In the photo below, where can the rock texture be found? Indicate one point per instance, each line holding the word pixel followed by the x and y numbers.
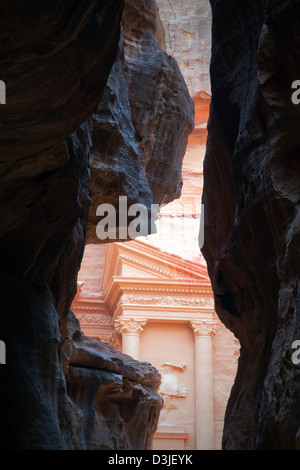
pixel 55 58
pixel 74 393
pixel 56 63
pixel 114 404
pixel 143 122
pixel 45 135
pixel 251 197
pixel 187 28
pixel 162 109
pixel 188 39
pixel 44 199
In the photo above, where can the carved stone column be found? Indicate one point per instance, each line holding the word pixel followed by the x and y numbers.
pixel 204 332
pixel 130 329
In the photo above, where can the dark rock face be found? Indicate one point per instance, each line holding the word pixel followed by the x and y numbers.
pixel 113 400
pixel 55 58
pixel 55 67
pixel 142 124
pixel 115 161
pixel 162 109
pixel 33 400
pixel 251 198
pixel 60 157
pixel 44 193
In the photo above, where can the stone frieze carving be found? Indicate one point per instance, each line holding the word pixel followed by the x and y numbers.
pixel 168 300
pixel 171 388
pixel 94 318
pixel 171 391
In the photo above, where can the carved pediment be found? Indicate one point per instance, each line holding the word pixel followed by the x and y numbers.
pixel 136 259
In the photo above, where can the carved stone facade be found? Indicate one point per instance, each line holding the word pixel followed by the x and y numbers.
pixel 158 308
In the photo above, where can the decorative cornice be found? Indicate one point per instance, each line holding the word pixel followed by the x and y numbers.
pixel 89 306
pixel 118 268
pixel 205 328
pixel 129 325
pixel 155 287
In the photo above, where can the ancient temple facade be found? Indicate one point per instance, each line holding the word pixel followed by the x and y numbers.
pixel 158 308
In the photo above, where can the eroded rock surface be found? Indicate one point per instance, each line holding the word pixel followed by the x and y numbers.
pixel 56 63
pixel 188 39
pixel 143 122
pixel 162 108
pixel 251 197
pixel 114 403
pixel 55 70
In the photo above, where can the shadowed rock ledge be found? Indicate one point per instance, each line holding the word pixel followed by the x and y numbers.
pixel 59 389
pixel 114 404
pixel 251 198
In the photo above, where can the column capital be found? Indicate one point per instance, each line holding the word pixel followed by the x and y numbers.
pixel 205 328
pixel 125 325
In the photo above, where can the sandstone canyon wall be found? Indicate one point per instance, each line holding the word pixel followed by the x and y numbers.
pixel 188 39
pixel 86 120
pixel 187 28
pixel 251 197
